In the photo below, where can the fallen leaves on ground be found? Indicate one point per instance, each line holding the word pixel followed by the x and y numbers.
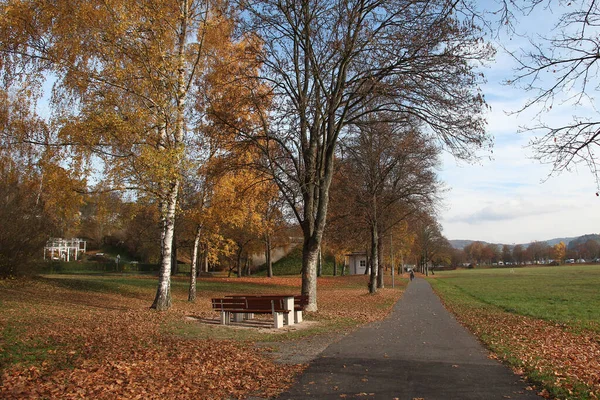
pixel 567 361
pixel 107 345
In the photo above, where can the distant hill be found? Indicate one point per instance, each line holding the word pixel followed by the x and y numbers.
pixel 581 240
pixel 566 241
pixel 461 244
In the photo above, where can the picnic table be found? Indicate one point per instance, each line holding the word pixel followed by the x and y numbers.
pixel 286 309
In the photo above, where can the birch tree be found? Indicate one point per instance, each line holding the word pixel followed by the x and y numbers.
pixel 124 73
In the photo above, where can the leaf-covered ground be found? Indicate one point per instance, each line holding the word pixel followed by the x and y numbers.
pixel 95 337
pixel 563 360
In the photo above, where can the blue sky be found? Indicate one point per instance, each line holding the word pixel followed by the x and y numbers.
pixel 507 197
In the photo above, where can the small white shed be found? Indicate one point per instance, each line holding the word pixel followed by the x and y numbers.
pixel 356 262
pixel 64 249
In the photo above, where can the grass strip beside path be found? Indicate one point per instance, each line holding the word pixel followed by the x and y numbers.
pixel 563 358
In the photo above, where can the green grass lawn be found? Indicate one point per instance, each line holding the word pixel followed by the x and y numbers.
pixel 291 264
pixel 138 286
pixel 563 294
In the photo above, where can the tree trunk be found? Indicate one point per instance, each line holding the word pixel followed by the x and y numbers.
pixel 174 266
pixel 206 258
pixel 380 283
pixel 374 260
pixel 239 263
pixel 162 300
pixel 268 259
pixel 334 265
pixel 310 255
pixel 401 266
pixel 320 263
pixel 194 267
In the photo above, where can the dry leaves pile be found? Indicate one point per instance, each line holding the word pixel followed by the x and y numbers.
pixel 106 346
pixel 565 361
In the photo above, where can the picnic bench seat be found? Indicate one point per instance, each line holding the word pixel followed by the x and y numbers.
pixel 241 307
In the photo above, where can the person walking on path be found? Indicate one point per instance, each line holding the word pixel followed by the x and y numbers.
pixel 412 275
pixel 418 352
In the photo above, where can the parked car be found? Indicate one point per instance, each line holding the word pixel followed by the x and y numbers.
pixel 570 261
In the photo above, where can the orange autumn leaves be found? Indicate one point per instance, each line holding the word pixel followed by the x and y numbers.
pixel 546 351
pixel 107 344
pixel 111 346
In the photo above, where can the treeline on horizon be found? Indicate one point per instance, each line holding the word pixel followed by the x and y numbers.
pixel 584 248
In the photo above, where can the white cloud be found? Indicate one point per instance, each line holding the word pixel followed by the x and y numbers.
pixel 506 210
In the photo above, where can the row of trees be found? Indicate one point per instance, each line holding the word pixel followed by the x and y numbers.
pixel 146 94
pixel 535 252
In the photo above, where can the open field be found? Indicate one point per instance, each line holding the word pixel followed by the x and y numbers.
pixel 81 336
pixel 544 321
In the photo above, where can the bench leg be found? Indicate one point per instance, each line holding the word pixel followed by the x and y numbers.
pixel 224 317
pixel 277 320
pixel 288 318
pixel 298 316
pixel 238 317
pixel 289 305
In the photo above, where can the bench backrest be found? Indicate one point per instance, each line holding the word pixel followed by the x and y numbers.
pixel 229 304
pixel 266 303
pixel 300 301
pixel 257 303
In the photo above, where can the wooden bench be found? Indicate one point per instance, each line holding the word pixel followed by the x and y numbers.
pixel 300 302
pixel 241 307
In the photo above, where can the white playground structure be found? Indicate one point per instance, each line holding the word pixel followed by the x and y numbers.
pixel 64 249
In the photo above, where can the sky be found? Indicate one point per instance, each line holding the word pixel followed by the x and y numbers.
pixel 508 197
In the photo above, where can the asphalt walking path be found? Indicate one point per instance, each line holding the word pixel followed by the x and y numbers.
pixel 418 352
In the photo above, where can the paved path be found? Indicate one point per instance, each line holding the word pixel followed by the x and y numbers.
pixel 418 352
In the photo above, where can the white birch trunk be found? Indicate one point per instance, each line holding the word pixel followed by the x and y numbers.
pixel 162 301
pixel 194 267
pixel 206 259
